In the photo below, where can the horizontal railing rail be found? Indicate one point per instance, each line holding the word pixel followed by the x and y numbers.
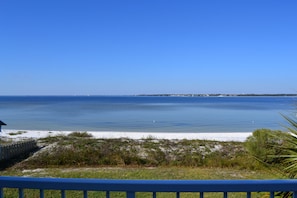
pixel 131 187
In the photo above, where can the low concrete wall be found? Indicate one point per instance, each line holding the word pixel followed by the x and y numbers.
pixel 15 149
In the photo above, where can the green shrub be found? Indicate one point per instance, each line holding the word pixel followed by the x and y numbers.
pixel 73 150
pixel 265 144
pixel 289 156
pixel 80 134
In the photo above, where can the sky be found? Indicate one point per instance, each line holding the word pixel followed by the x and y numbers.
pixel 124 47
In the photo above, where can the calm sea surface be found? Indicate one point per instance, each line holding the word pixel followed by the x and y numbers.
pixel 145 114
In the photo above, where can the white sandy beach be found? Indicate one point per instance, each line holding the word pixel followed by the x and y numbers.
pixel 34 134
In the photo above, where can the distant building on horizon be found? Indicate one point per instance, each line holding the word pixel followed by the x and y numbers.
pixel 1 123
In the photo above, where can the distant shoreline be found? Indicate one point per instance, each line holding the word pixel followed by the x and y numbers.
pixel 220 95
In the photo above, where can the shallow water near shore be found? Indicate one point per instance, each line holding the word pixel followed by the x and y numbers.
pixel 145 114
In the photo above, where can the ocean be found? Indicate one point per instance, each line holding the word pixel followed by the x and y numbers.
pixel 145 113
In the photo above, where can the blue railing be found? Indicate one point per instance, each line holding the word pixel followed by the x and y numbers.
pixel 131 187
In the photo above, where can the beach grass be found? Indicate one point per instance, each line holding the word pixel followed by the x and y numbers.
pixel 80 155
pixel 191 173
pixel 83 150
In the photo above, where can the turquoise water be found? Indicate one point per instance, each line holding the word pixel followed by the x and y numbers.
pixel 145 113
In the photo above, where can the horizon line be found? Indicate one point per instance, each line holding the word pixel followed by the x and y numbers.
pixel 158 94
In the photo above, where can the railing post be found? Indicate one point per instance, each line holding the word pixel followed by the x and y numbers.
pixel 41 193
pixel 63 195
pixel 201 194
pixel 177 195
pixel 271 194
pixel 295 194
pixel 107 194
pixel 85 194
pixel 21 193
pixel 130 194
pixel 225 195
pixel 1 193
pixel 154 195
pixel 248 195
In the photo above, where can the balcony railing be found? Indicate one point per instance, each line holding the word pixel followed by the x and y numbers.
pixel 152 188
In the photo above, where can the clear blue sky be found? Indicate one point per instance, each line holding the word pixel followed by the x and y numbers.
pixel 114 47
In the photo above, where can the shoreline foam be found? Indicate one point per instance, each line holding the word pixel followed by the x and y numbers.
pixel 218 136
